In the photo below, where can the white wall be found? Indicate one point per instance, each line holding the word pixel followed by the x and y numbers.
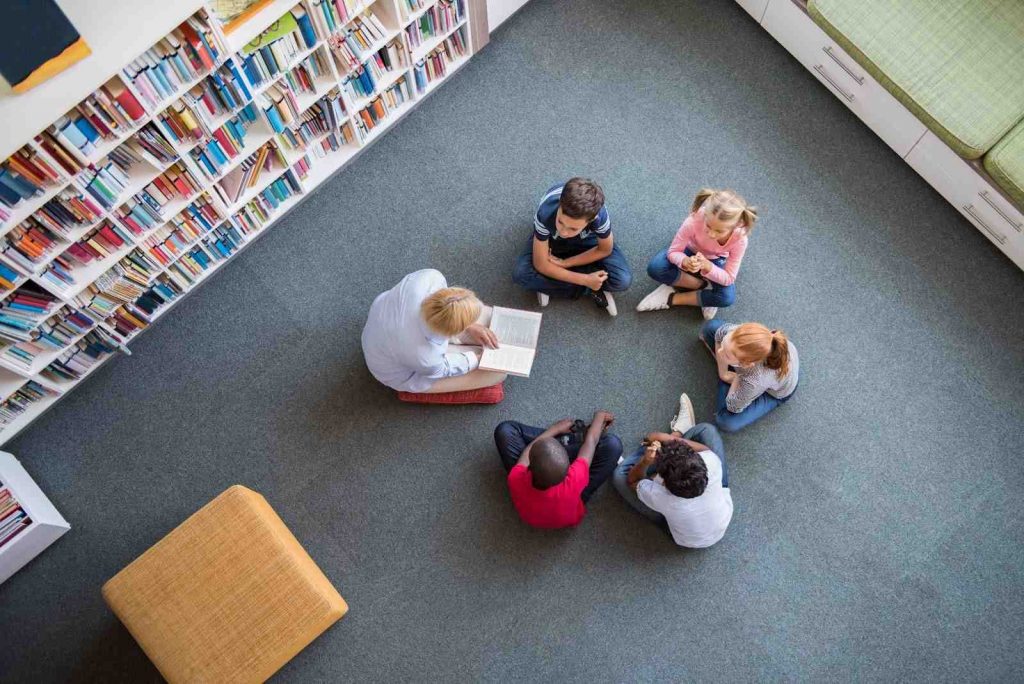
pixel 500 10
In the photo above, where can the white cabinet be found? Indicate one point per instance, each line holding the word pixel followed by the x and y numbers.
pixel 969 191
pixel 789 24
pixel 755 8
pixel 500 10
pixel 47 524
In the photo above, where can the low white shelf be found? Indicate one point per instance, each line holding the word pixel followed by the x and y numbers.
pixel 47 524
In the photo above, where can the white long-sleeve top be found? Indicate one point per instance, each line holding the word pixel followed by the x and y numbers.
pixel 401 351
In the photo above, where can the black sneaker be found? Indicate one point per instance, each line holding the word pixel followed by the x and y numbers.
pixel 604 300
pixel 576 434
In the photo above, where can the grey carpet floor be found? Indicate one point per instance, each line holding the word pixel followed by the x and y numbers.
pixel 878 528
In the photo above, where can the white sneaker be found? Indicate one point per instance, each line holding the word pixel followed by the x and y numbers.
pixel 611 308
pixel 709 312
pixel 543 299
pixel 684 418
pixel 657 300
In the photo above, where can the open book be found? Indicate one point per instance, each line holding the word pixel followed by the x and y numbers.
pixel 517 333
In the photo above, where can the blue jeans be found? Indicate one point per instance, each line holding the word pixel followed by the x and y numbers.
pixel 619 275
pixel 726 420
pixel 512 438
pixel 704 433
pixel 664 271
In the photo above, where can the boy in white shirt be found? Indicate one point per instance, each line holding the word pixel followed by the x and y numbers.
pixel 679 480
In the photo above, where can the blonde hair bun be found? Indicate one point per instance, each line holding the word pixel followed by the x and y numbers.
pixel 451 310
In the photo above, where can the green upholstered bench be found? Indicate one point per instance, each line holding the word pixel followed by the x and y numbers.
pixel 958 65
pixel 1005 163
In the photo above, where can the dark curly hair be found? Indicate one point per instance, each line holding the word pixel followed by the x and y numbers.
pixel 682 469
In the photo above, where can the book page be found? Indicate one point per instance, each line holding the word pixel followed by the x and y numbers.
pixel 514 360
pixel 515 327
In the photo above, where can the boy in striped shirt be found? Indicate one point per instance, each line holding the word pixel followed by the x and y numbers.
pixel 572 252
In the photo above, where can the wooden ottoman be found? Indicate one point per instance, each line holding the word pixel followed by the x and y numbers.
pixel 228 596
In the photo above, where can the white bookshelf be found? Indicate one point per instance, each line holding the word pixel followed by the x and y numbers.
pixel 47 524
pixel 140 24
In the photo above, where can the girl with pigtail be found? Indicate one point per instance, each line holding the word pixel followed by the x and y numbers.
pixel 699 268
pixel 758 370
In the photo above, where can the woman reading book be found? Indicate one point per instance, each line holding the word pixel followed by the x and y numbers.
pixel 423 336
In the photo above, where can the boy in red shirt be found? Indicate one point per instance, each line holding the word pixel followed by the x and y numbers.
pixel 552 473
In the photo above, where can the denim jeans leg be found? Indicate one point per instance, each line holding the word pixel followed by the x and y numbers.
pixel 511 438
pixel 728 421
pixel 718 295
pixel 661 270
pixel 525 275
pixel 620 277
pixel 606 456
pixel 621 481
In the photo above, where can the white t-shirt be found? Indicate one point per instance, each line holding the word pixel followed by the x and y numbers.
pixel 695 523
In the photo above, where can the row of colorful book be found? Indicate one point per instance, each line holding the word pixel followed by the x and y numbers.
pixel 436 21
pixel 435 65
pixel 106 115
pixel 14 519
pixel 383 105
pixel 186 53
pixel 26 175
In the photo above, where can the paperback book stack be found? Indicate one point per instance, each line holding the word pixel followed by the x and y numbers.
pixel 304 77
pixel 13 518
pixel 225 143
pixel 81 357
pixel 29 246
pixel 351 46
pixel 68 160
pixel 437 21
pixel 106 241
pixel 330 15
pixel 23 313
pixel 274 50
pixel 180 58
pixel 68 211
pixel 247 174
pixel 383 105
pixel 280 105
pixel 26 175
pixel 411 7
pixel 195 114
pixel 19 402
pixel 153 143
pixel 109 178
pixel 435 65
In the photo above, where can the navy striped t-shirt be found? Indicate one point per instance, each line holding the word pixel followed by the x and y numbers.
pixel 544 224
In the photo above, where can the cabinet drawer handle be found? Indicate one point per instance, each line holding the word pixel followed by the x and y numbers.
pixel 835 58
pixel 999 237
pixel 824 74
pixel 988 200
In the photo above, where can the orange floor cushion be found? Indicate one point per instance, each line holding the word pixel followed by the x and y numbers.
pixel 485 395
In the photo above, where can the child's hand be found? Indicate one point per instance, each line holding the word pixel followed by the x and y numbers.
pixel 596 279
pixel 561 427
pixel 702 262
pixel 605 417
pixel 690 264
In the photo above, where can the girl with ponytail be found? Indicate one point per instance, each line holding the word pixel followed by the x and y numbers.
pixel 758 369
pixel 700 266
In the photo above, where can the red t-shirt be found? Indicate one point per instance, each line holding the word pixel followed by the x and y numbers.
pixel 558 506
